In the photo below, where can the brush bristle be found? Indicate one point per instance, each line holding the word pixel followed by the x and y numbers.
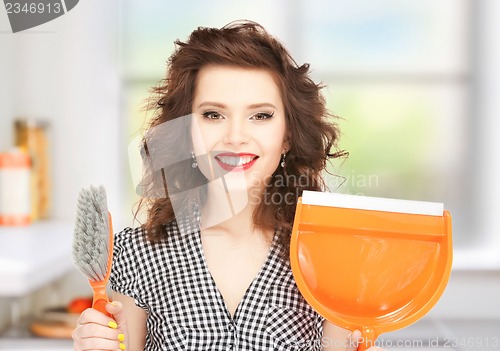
pixel 91 234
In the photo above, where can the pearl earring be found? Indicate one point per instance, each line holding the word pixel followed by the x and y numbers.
pixel 194 164
pixel 283 160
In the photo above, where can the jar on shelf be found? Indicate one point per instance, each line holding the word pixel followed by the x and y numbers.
pixel 31 136
pixel 15 197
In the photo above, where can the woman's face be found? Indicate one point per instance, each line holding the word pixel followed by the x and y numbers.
pixel 238 128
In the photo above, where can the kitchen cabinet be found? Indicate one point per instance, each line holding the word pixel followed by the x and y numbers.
pixel 33 256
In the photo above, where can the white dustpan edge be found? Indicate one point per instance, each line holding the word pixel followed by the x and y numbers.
pixel 319 198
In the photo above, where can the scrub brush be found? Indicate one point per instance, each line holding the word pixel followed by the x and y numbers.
pixel 93 242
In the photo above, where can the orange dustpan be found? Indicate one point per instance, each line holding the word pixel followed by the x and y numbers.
pixel 372 264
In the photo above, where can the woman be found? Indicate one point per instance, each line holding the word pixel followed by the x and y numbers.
pixel 240 131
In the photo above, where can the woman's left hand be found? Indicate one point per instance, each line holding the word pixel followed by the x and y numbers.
pixel 339 339
pixel 356 339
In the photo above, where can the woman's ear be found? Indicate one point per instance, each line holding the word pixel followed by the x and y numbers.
pixel 286 145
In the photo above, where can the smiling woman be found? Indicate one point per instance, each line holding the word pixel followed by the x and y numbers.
pixel 237 122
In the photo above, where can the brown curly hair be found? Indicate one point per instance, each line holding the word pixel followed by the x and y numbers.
pixel 310 127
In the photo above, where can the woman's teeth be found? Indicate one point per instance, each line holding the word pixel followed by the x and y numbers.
pixel 236 160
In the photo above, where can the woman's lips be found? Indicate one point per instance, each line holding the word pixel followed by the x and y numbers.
pixel 236 161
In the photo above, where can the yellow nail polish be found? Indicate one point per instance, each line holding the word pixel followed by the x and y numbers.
pixel 112 324
pixel 122 346
pixel 121 337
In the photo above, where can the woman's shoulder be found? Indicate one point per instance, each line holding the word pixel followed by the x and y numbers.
pixel 130 232
pixel 138 236
pixel 130 235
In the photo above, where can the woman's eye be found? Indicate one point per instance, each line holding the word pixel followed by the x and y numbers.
pixel 212 115
pixel 262 116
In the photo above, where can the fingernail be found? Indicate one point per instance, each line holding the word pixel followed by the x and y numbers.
pixel 121 337
pixel 112 324
pixel 114 303
pixel 122 346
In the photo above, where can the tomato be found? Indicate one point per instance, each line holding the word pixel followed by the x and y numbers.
pixel 79 304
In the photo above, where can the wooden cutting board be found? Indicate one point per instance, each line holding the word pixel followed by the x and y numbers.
pixel 52 329
pixel 55 323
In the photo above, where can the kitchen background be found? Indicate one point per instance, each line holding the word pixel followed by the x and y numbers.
pixel 415 83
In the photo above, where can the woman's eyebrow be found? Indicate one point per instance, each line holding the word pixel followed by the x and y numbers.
pixel 263 104
pixel 211 104
pixel 252 106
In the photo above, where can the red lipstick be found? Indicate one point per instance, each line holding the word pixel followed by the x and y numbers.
pixel 239 162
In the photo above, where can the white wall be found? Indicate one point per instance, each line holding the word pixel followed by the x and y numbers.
pixel 6 78
pixel 488 121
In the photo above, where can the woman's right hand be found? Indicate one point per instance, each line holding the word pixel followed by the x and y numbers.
pixel 96 331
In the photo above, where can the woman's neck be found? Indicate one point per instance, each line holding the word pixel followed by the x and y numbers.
pixel 228 212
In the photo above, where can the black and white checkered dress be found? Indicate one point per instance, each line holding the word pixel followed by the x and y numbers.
pixel 186 311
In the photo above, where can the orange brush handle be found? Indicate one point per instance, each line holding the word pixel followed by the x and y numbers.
pixel 99 287
pixel 100 296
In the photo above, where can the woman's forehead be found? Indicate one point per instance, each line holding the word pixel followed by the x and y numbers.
pixel 221 84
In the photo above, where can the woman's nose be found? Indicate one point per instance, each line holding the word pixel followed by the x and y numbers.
pixel 236 133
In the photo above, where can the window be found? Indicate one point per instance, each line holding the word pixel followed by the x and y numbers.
pixel 398 73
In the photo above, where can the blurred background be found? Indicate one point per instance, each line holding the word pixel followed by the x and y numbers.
pixel 414 84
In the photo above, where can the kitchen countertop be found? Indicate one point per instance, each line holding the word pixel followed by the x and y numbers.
pixel 445 334
pixel 36 344
pixel 33 256
pixel 425 335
